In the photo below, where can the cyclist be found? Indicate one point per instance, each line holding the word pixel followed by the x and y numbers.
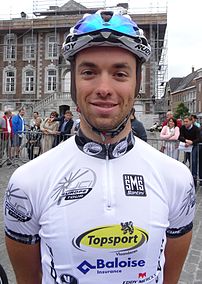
pixel 104 206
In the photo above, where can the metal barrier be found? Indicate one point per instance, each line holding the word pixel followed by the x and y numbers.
pixel 170 148
pixel 32 144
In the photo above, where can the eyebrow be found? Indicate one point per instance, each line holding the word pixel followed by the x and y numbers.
pixel 118 65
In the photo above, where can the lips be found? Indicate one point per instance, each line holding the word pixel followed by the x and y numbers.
pixel 104 105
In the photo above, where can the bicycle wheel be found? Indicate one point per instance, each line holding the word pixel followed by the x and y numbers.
pixel 3 276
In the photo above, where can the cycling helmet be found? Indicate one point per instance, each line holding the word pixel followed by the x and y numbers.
pixel 106 28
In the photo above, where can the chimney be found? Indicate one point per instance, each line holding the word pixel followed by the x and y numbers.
pixel 192 69
pixel 23 15
pixel 123 5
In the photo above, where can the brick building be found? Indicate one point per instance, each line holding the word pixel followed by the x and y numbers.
pixel 33 72
pixel 186 89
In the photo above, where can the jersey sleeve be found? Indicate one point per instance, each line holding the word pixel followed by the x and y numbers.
pixel 182 204
pixel 21 222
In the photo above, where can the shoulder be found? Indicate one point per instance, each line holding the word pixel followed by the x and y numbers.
pixel 36 176
pixel 159 164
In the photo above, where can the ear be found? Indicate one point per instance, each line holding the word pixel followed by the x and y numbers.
pixel 78 109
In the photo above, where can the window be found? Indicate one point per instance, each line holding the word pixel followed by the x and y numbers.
pixel 52 46
pixel 51 80
pixel 9 80
pixel 29 81
pixel 29 47
pixel 10 47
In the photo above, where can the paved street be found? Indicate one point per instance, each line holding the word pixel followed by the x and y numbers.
pixel 192 272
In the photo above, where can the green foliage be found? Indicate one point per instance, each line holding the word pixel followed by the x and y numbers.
pixel 181 111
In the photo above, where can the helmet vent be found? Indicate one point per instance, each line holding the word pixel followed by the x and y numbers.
pixel 106 15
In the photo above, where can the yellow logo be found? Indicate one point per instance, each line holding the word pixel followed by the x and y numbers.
pixel 120 237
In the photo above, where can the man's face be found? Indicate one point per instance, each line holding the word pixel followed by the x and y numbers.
pixel 105 85
pixel 22 112
pixel 68 116
pixel 187 122
pixel 35 115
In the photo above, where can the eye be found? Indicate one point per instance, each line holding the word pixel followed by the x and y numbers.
pixel 87 73
pixel 121 75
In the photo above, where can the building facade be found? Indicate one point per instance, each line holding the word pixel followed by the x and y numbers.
pixel 187 90
pixel 33 72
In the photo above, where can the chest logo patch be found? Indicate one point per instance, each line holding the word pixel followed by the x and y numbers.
pixel 134 185
pixel 75 186
pixel 114 238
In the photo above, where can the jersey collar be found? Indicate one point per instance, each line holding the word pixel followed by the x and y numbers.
pixel 104 151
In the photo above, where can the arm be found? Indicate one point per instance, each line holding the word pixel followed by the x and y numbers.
pixel 175 253
pixel 182 134
pixel 163 133
pixel 176 134
pixel 68 128
pixel 14 124
pixel 25 260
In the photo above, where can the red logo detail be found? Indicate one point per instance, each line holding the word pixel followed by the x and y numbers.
pixel 142 275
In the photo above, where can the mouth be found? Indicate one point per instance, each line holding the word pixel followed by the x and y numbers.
pixel 104 105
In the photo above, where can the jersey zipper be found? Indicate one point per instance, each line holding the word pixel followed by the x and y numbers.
pixel 109 201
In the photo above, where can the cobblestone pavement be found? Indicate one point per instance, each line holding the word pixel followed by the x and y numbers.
pixel 191 274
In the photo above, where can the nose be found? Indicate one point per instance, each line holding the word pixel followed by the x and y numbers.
pixel 103 85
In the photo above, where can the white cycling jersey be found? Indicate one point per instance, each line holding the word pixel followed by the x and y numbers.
pixel 101 213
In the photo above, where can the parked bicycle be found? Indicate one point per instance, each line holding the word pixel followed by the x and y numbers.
pixel 3 276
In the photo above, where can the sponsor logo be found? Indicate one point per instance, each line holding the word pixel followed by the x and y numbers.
pixel 92 148
pixel 105 266
pixel 17 205
pixel 115 238
pixel 69 279
pixel 74 187
pixel 134 185
pixel 142 278
pixel 69 46
pixel 142 275
pixel 120 149
pixel 143 49
pixel 188 202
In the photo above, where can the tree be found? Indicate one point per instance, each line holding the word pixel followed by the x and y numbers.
pixel 181 111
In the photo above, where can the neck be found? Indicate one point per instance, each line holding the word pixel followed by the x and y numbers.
pixel 88 132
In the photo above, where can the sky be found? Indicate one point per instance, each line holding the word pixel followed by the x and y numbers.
pixel 184 40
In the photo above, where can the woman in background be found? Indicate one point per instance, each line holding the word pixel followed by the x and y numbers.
pixel 170 134
pixel 49 128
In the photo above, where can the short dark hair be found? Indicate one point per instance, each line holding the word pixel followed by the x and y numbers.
pixel 69 112
pixel 194 116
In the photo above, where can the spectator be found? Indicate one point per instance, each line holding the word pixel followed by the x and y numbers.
pixel 49 128
pixel 33 120
pixel 169 115
pixel 190 135
pixel 7 136
pixel 65 125
pixel 194 120
pixel 170 134
pixel 2 126
pixel 18 126
pixel 34 139
pixel 138 127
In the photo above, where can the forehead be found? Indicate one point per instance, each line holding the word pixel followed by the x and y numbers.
pixel 103 54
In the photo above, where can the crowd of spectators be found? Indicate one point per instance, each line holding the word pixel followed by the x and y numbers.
pixel 38 135
pixel 42 134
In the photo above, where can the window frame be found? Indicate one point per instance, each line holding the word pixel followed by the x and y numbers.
pixel 12 46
